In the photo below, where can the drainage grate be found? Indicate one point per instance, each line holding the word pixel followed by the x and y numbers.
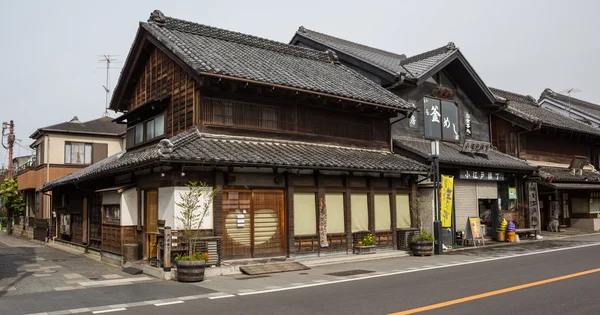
pixel 348 273
pixel 94 278
pixel 303 273
pixel 251 277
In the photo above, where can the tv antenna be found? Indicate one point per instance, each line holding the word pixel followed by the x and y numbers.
pixel 569 92
pixel 108 59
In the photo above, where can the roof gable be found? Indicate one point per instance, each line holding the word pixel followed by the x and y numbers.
pixel 572 103
pixel 210 51
pixel 101 126
pixel 526 107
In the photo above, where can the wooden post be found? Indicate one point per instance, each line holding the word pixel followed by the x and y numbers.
pixel 167 252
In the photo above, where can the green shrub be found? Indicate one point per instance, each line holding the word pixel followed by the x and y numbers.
pixel 423 236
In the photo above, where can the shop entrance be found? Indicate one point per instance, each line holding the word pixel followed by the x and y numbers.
pixel 253 223
pixel 488 215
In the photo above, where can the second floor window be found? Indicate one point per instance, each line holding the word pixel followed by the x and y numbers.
pixel 146 131
pixel 78 153
pixel 441 120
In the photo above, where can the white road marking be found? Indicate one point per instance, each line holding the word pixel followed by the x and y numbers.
pixel 230 295
pixel 113 281
pixel 168 303
pixel 469 262
pixel 109 311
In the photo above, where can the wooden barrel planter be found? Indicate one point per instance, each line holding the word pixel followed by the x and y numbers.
pixel 190 271
pixel 422 248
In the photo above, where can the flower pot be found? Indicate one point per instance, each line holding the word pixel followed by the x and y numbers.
pixel 500 236
pixel 363 250
pixel 510 236
pixel 190 270
pixel 422 248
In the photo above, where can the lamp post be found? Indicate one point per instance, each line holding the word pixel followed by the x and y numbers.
pixel 437 223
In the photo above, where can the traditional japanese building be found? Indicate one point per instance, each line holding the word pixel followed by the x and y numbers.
pixel 570 106
pixel 566 151
pixel 299 143
pixel 454 106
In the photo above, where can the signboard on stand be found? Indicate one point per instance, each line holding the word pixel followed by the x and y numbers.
pixel 447 194
pixel 534 206
pixel 512 193
pixel 474 231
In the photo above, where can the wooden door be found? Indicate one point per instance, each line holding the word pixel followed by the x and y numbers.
pixel 151 222
pixel 253 223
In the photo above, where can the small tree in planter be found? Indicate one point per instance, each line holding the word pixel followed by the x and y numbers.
pixel 422 244
pixel 195 206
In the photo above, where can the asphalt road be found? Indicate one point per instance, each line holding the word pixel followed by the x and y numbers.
pixel 410 291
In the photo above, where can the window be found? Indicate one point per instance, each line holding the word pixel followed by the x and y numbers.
pixel 359 212
pixel 155 127
pixel 383 219
pixel 139 133
pixel 78 153
pixel 112 214
pixel 441 119
pixel 334 202
pixel 268 118
pixel 39 154
pixel 305 214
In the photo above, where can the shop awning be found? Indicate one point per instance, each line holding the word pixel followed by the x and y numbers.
pixel 566 186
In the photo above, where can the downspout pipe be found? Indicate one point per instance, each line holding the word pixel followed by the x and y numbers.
pixel 406 115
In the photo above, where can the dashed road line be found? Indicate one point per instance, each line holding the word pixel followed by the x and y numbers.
pixel 110 310
pixel 228 295
pixel 168 303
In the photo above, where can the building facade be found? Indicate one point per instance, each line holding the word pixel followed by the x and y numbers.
pixel 299 144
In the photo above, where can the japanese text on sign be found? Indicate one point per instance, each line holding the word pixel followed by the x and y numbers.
pixel 481 175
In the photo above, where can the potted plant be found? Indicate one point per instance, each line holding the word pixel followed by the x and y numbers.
pixel 366 245
pixel 195 206
pixel 422 244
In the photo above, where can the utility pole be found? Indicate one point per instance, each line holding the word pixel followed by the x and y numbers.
pixel 10 143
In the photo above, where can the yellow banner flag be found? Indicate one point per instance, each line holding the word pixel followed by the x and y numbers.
pixel 446 195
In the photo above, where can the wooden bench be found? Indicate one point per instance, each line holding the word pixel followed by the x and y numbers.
pixel 527 232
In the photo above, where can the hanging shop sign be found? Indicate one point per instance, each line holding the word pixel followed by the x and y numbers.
pixel 481 175
pixel 446 197
pixel 472 146
pixel 512 193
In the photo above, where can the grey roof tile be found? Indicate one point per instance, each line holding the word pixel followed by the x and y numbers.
pixel 581 105
pixel 527 108
pixel 565 174
pixel 450 154
pixel 100 126
pixel 193 146
pixel 386 60
pixel 212 50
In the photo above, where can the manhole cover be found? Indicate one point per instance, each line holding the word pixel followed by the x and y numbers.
pixel 348 273
pixel 303 273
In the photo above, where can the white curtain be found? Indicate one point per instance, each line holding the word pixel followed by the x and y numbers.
pixel 335 212
pixel 305 214
pixel 359 212
pixel 383 217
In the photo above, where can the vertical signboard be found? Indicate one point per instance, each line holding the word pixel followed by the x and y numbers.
pixel 534 206
pixel 447 194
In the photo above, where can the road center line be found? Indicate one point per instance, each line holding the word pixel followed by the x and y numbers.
pixel 221 296
pixel 419 270
pixel 496 292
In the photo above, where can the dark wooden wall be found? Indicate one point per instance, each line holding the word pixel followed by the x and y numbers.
pixel 480 126
pixel 549 147
pixel 162 77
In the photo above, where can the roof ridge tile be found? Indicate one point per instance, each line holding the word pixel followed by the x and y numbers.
pixel 434 52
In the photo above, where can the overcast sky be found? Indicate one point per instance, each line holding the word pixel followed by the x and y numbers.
pixel 50 49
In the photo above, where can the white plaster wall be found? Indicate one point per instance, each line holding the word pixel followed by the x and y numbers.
pixel 168 197
pixel 129 212
pixel 166 205
pixel 586 224
pixel 55 150
pixel 111 198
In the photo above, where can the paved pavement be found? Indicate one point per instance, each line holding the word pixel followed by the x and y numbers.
pixel 103 287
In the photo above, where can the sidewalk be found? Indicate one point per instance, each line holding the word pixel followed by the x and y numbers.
pixel 27 267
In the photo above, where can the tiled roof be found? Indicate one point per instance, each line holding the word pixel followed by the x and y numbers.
pixel 450 154
pixel 193 146
pixel 386 60
pixel 581 105
pixel 526 107
pixel 420 64
pixel 565 174
pixel 210 50
pixel 100 126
